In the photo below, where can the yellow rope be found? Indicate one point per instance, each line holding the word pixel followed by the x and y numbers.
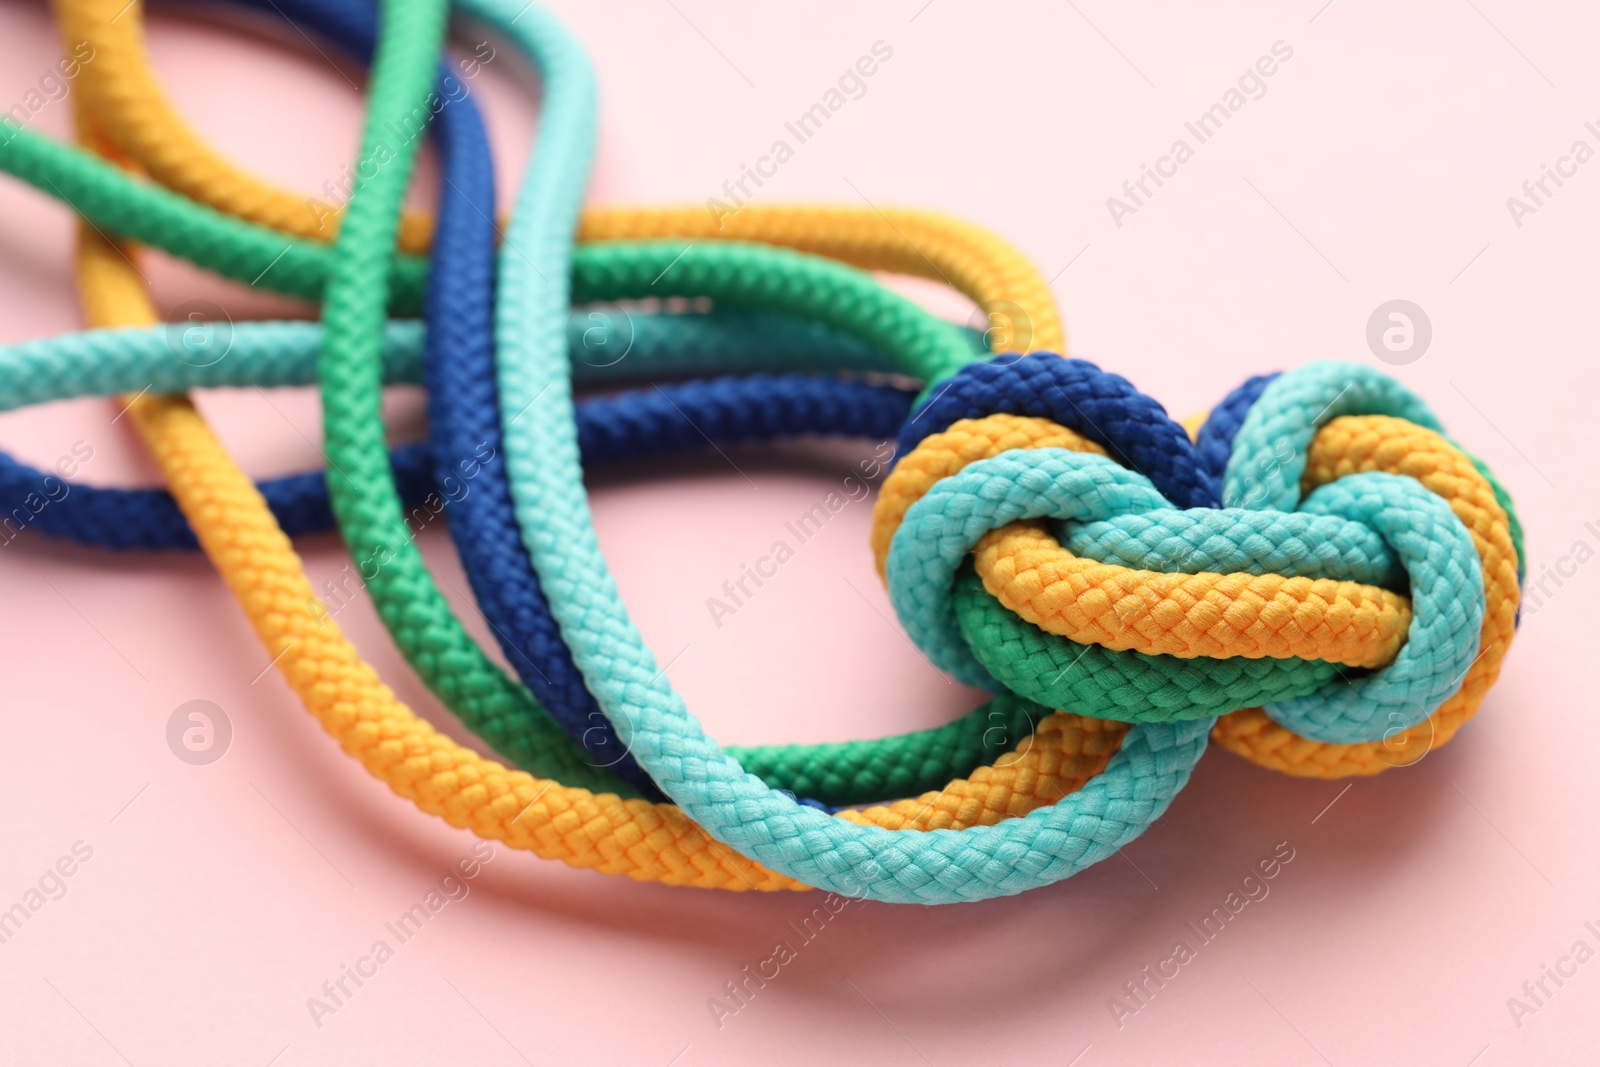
pixel 1354 445
pixel 943 454
pixel 645 841
pixel 1188 615
pixel 139 119
pixel 1169 612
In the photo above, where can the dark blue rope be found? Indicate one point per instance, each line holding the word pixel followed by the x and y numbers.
pixel 149 519
pixel 628 426
pixel 464 423
pixel 459 471
pixel 1134 428
pixel 1214 442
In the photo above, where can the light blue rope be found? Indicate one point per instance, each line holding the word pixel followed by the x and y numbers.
pixel 1416 527
pixel 1273 444
pixel 278 354
pixel 940 530
pixel 930 867
pixel 1447 603
pixel 1270 450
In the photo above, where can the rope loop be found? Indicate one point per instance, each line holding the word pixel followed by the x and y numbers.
pixel 1052 533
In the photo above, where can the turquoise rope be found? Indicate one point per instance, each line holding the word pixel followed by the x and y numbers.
pixel 1296 404
pixel 940 530
pixel 1447 605
pixel 277 354
pixel 937 866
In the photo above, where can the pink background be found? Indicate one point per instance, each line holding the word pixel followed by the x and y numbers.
pixel 1377 166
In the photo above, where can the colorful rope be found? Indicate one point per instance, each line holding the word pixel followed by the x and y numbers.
pixel 510 599
pixel 1318 549
pixel 536 650
pixel 928 808
pixel 141 121
pixel 613 428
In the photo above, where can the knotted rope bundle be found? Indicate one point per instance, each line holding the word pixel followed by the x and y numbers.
pixel 1384 599
pixel 1362 585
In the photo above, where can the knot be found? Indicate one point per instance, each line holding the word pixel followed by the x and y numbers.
pixel 1343 612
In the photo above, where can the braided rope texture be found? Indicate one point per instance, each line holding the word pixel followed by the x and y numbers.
pixel 611 428
pixel 1362 585
pixel 1010 856
pixel 138 117
pixel 492 570
pixel 483 697
pixel 1205 614
pixel 1374 496
pixel 287 651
